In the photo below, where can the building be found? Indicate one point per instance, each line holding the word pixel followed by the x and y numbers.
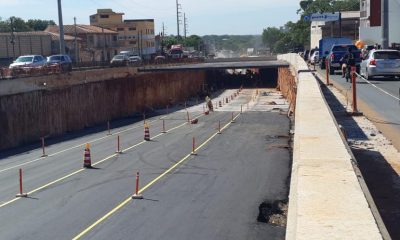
pixel 13 45
pixel 97 44
pixel 370 21
pixel 350 28
pixel 135 35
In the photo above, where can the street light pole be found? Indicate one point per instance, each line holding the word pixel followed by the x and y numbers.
pixel 61 26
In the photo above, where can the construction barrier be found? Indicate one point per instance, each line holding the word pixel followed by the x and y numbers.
pixel 146 132
pixel 87 161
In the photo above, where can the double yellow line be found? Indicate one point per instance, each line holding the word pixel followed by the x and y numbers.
pixel 127 200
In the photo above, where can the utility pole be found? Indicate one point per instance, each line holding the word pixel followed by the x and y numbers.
pixel 178 16
pixel 61 25
pixel 385 23
pixel 76 43
pixel 162 39
pixel 340 24
pixel 12 36
pixel 184 24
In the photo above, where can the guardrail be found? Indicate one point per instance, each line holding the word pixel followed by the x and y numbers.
pixel 6 73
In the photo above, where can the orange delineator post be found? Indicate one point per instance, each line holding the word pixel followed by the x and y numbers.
pixel 353 78
pixel 21 193
pixel 232 120
pixel 163 126
pixel 327 72
pixel 136 195
pixel 43 148
pixel 219 127
pixel 118 145
pixel 193 146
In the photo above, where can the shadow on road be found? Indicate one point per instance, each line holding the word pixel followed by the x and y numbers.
pixel 384 185
pixel 382 181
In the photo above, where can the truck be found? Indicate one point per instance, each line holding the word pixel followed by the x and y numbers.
pixel 336 54
pixel 325 45
pixel 176 51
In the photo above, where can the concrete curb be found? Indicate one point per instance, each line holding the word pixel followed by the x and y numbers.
pixel 326 200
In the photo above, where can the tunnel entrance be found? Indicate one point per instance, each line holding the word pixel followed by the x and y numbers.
pixel 247 78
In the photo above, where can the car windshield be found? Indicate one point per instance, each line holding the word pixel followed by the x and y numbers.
pixel 387 55
pixel 24 59
pixel 55 58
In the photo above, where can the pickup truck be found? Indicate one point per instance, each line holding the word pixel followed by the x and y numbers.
pixel 325 45
pixel 337 52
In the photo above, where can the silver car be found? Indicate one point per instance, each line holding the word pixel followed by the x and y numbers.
pixel 382 62
pixel 28 61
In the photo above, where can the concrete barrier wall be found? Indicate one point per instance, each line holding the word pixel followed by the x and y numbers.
pixel 25 117
pixel 326 200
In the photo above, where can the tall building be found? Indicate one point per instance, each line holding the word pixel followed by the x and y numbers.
pixel 135 35
pixel 370 21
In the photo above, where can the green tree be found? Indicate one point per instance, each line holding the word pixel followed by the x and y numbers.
pixel 39 25
pixel 270 36
pixel 193 41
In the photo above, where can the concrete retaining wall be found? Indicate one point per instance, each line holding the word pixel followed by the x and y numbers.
pixel 25 117
pixel 326 200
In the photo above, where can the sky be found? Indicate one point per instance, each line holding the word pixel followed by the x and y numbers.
pixel 204 17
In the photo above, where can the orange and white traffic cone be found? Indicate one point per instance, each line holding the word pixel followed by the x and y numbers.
pixel 146 132
pixel 87 161
pixel 220 104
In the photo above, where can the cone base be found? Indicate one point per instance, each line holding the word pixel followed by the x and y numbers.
pixel 137 196
pixel 21 195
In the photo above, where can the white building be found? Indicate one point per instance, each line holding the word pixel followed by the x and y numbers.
pixel 370 21
pixel 350 28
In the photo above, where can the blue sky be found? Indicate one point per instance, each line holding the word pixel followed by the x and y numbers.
pixel 204 16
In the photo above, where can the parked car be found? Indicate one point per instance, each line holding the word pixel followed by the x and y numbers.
pixel 119 60
pixel 28 61
pixel 135 60
pixel 336 54
pixel 64 61
pixel 383 62
pixel 314 58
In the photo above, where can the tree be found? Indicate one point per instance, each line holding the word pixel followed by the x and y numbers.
pixel 39 25
pixel 271 35
pixel 19 25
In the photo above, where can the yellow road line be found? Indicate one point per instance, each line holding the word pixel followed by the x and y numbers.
pixel 126 201
pixel 68 149
pixel 82 169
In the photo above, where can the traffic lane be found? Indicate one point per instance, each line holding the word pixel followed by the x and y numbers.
pixel 67 147
pixel 215 195
pixel 380 108
pixel 78 142
pixel 53 168
pixel 65 208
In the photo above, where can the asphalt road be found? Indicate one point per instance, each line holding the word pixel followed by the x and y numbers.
pixel 379 100
pixel 212 195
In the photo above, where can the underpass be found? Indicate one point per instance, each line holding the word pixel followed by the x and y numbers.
pixel 63 203
pixel 235 186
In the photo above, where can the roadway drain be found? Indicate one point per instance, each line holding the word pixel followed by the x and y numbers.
pixel 274 213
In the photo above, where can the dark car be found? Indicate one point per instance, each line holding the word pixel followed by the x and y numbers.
pixel 305 55
pixel 61 60
pixel 336 54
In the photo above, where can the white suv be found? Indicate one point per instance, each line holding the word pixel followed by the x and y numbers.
pixel 28 61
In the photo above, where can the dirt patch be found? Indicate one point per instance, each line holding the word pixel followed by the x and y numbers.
pixel 274 213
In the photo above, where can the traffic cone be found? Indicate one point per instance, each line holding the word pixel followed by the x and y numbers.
pixel 146 132
pixel 226 100
pixel 87 161
pixel 220 104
